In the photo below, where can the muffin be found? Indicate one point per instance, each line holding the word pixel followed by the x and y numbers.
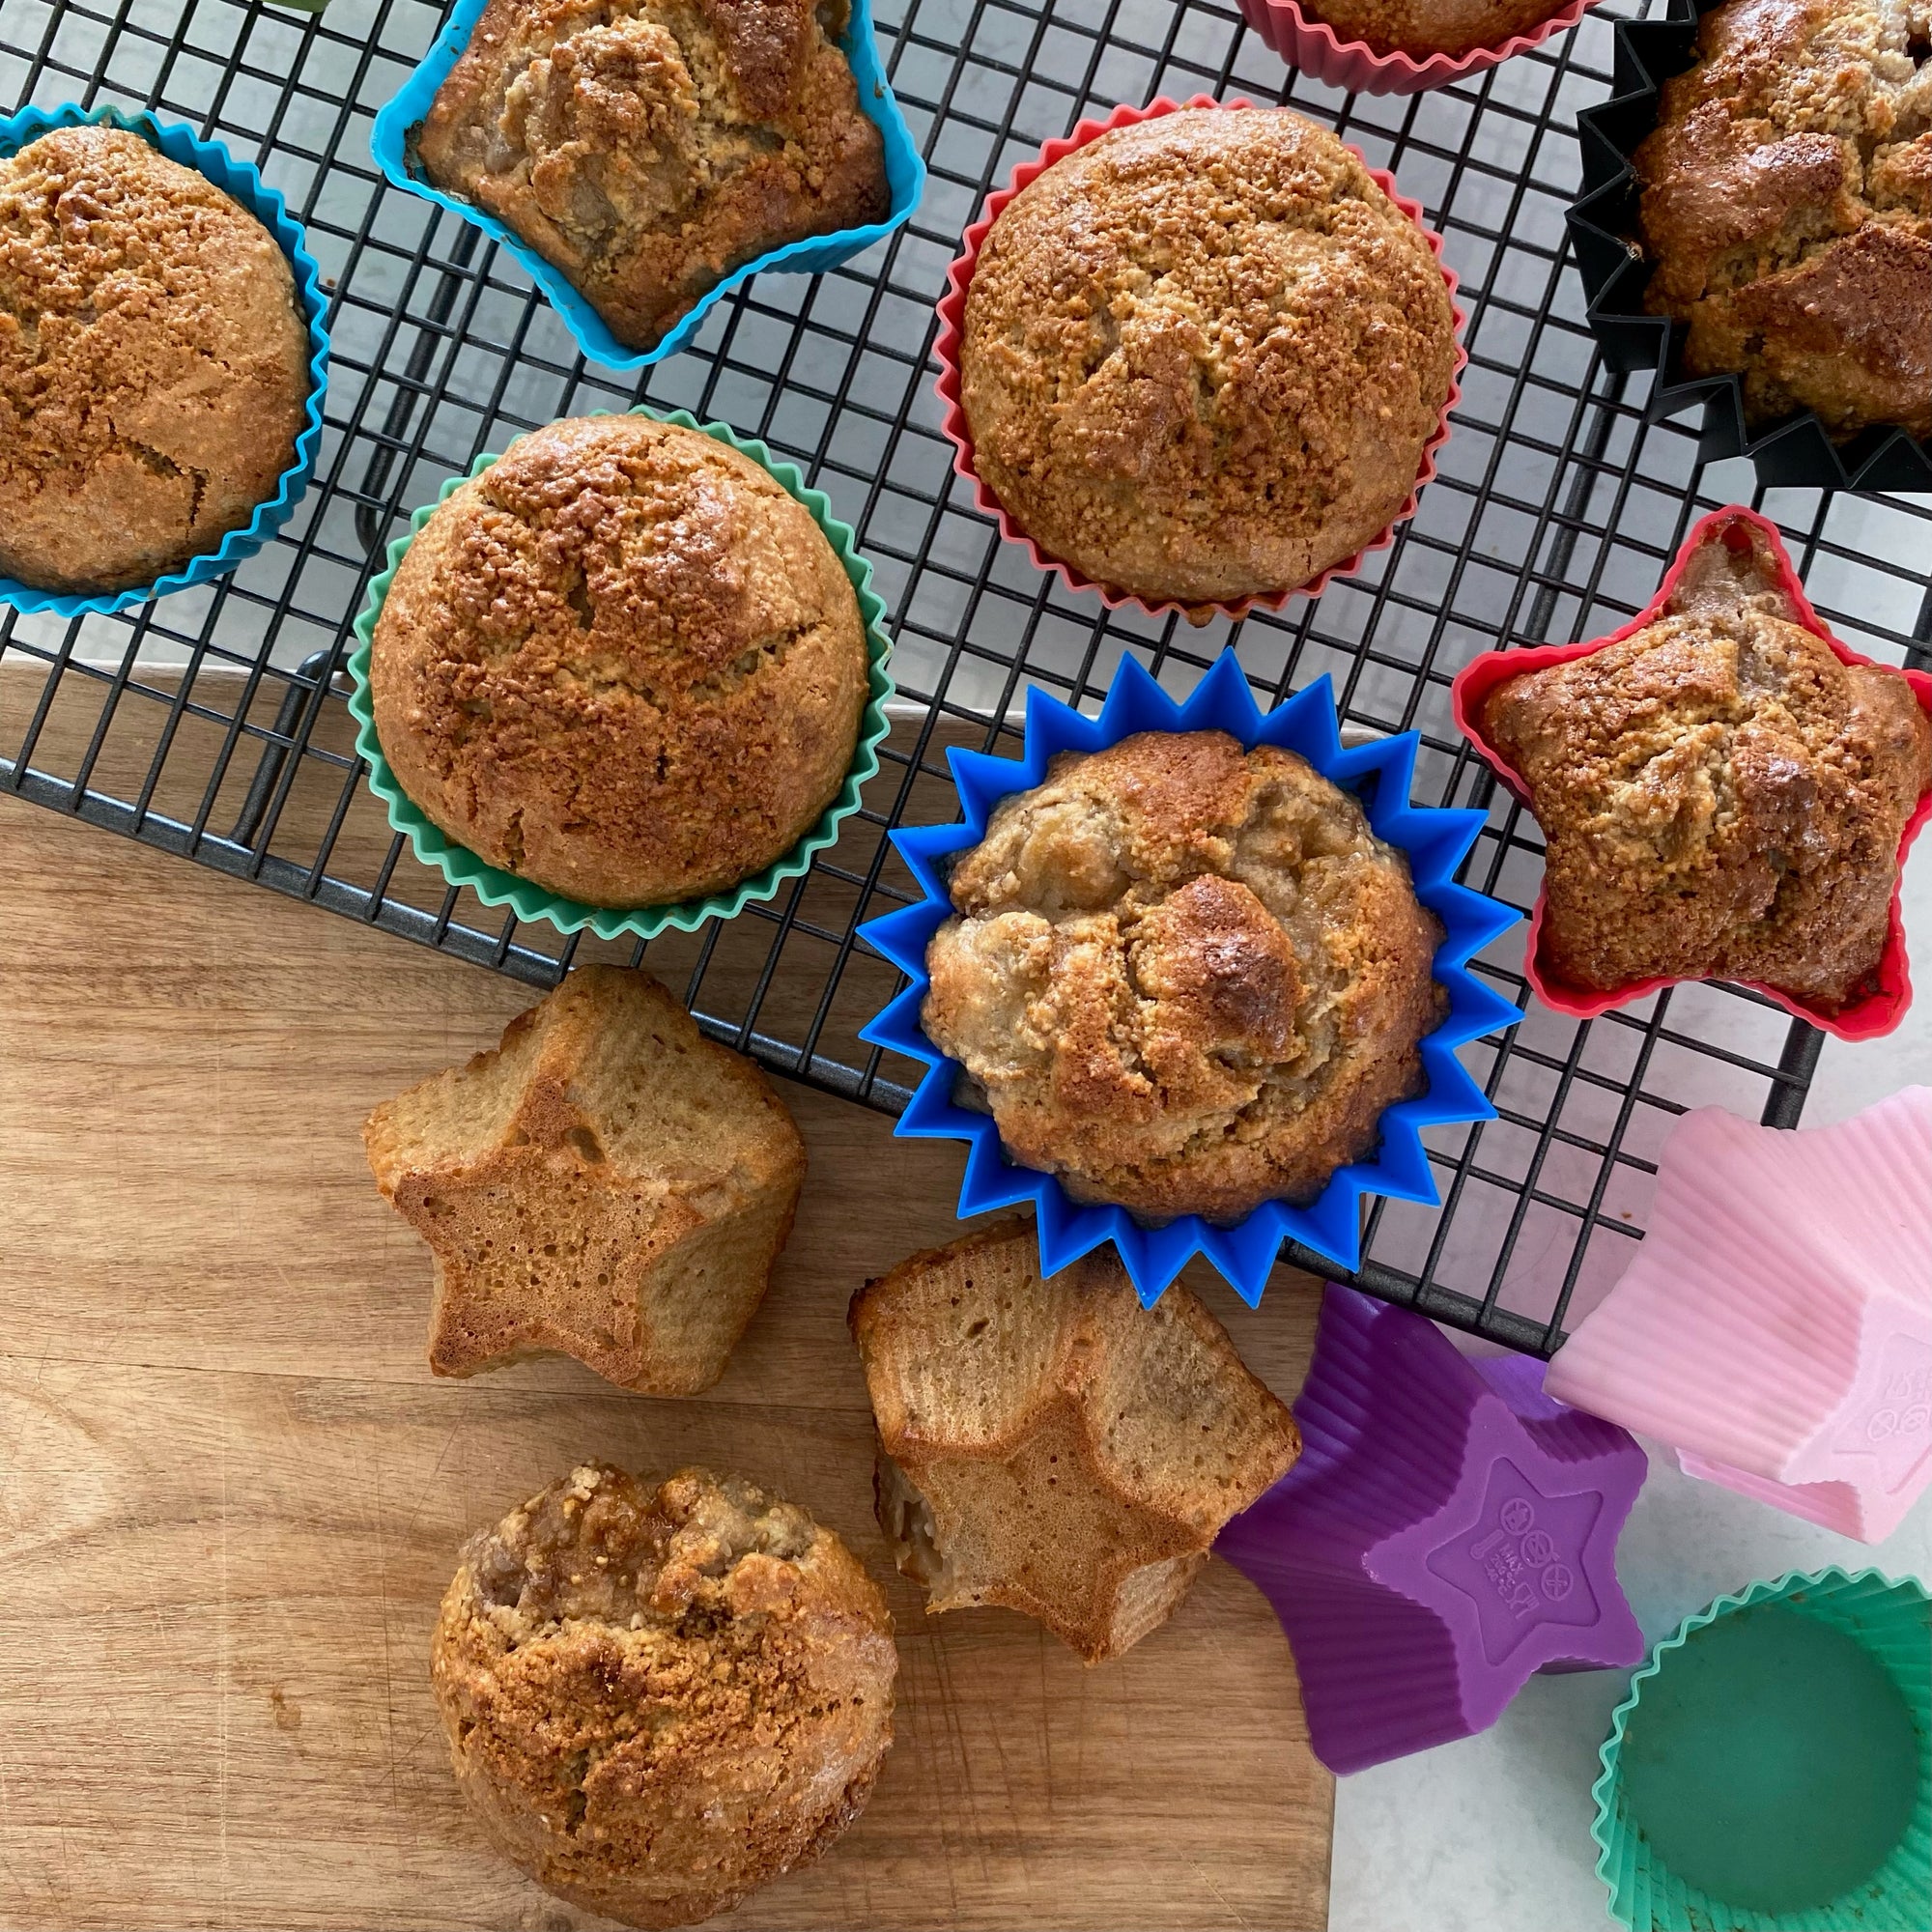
pixel 659 1700
pixel 1720 797
pixel 1185 978
pixel 647 149
pixel 607 1183
pixel 1202 356
pixel 1051 1445
pixel 1787 205
pixel 153 363
pixel 1424 27
pixel 623 662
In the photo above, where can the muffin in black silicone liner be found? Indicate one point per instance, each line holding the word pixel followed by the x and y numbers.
pixel 1795 451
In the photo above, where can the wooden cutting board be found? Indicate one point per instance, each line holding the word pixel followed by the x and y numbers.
pixel 231 1492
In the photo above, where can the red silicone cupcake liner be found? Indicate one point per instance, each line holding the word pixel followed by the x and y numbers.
pixel 952 326
pixel 1880 1010
pixel 1315 48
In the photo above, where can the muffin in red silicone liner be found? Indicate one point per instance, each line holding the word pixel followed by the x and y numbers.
pixel 1341 60
pixel 1720 798
pixel 1212 360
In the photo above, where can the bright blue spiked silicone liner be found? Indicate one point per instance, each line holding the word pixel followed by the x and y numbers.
pixel 905 179
pixel 1379 774
pixel 245 183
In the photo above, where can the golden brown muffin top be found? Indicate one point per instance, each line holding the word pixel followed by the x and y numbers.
pixel 1721 797
pixel 153 362
pixel 1423 27
pixel 623 662
pixel 660 1699
pixel 1187 978
pixel 1787 204
pixel 1202 356
pixel 649 146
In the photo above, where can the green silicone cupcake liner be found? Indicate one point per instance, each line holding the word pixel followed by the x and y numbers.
pixel 529 900
pixel 1778 1761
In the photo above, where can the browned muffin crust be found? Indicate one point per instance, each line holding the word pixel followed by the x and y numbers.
pixel 647 147
pixel 1188 979
pixel 1048 1444
pixel 1720 797
pixel 1787 204
pixel 1424 27
pixel 1202 356
pixel 659 1700
pixel 622 662
pixel 153 362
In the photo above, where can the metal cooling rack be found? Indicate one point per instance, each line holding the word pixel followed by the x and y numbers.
pixel 212 725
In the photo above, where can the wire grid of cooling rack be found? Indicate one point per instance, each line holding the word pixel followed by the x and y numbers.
pixel 211 724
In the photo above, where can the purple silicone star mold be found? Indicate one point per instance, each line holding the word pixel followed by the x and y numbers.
pixel 1448 1531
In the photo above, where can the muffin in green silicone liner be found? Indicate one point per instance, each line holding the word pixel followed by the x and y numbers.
pixel 528 900
pixel 1772 1768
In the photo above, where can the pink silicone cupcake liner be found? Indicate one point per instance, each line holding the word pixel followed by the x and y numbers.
pixel 952 326
pixel 1315 48
pixel 1876 1012
pixel 1776 1328
pixel 1448 1531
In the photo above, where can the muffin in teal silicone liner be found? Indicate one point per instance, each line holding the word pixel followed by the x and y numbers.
pixel 1772 1768
pixel 627 669
pixel 186 348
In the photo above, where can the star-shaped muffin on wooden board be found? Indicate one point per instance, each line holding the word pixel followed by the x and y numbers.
pixel 1051 1445
pixel 605 1183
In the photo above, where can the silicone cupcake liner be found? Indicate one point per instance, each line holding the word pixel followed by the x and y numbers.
pixel 1380 772
pixel 1787 1748
pixel 529 900
pixel 1797 452
pixel 1776 1328
pixel 952 326
pixel 1448 1531
pixel 1878 1011
pixel 1315 47
pixel 392 143
pixel 244 185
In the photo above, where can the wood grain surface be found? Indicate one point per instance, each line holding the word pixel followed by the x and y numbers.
pixel 231 1493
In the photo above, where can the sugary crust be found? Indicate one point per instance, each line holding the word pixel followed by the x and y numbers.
pixel 1421 27
pixel 1188 979
pixel 657 1701
pixel 1787 204
pixel 647 147
pixel 1203 353
pixel 153 362
pixel 1722 798
pixel 623 663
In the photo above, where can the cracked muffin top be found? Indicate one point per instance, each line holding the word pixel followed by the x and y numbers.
pixel 1722 798
pixel 1202 356
pixel 646 148
pixel 153 362
pixel 1424 27
pixel 623 662
pixel 1787 206
pixel 658 1700
pixel 1186 979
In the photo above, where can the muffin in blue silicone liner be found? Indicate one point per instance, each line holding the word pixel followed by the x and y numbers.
pixel 1435 842
pixel 244 185
pixel 390 142
pixel 529 900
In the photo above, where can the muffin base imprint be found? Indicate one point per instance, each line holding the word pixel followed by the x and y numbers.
pixel 952 333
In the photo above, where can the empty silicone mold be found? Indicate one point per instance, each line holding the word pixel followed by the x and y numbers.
pixel 1776 1328
pixel 1448 1532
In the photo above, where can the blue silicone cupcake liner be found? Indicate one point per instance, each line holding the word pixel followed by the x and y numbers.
pixel 529 900
pixel 244 185
pixel 905 178
pixel 1380 774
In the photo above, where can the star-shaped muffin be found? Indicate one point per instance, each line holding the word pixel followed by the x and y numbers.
pixel 1051 1445
pixel 606 1184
